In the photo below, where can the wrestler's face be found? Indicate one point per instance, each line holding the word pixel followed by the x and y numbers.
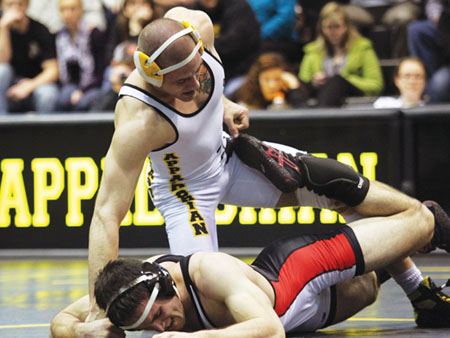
pixel 165 315
pixel 270 82
pixel 184 83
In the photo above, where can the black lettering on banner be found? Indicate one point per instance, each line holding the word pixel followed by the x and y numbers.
pixel 196 220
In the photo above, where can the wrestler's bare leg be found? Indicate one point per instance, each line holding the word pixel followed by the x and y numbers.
pixel 353 295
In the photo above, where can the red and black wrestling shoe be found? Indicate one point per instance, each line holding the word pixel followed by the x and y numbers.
pixel 278 166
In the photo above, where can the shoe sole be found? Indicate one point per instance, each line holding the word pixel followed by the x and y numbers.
pixel 443 221
pixel 255 154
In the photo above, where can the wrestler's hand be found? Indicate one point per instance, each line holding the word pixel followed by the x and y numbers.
pixel 101 328
pixel 235 117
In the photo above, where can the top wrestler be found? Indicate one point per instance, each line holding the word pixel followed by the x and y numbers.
pixel 296 284
pixel 171 109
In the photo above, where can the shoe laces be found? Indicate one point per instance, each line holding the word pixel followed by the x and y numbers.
pixel 443 286
pixel 438 290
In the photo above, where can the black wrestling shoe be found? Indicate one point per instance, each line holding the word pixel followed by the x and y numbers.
pixel 431 306
pixel 279 167
pixel 441 237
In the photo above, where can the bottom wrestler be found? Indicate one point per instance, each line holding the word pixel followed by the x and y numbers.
pixel 296 284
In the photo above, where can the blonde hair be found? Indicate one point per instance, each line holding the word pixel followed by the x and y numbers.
pixel 333 11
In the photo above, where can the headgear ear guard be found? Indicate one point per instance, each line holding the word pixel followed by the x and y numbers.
pixel 158 281
pixel 149 69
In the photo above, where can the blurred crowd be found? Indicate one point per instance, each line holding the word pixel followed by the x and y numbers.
pixel 74 55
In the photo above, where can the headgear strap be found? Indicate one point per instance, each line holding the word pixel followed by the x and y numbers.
pixel 147 309
pixel 149 69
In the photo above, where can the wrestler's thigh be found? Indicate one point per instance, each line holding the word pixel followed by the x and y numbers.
pixel 189 218
pixel 247 187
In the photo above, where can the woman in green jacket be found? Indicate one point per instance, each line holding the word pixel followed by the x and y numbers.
pixel 340 62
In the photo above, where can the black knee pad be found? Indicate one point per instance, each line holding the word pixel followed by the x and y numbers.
pixel 333 179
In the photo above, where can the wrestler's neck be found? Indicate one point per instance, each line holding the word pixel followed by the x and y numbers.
pixel 186 105
pixel 191 320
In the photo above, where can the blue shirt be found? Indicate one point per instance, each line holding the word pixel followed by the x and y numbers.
pixel 277 18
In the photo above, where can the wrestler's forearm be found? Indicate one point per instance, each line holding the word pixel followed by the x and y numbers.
pixel 255 328
pixel 103 247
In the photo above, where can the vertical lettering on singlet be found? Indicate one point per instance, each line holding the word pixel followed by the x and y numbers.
pixel 178 188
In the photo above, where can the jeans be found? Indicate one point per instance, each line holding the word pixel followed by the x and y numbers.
pixel 42 99
pixel 88 98
pixel 6 78
pixel 424 43
pixel 438 86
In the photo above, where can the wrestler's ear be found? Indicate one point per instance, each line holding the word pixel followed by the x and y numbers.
pixel 149 71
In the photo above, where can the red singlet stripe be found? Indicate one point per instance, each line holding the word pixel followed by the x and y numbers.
pixel 307 263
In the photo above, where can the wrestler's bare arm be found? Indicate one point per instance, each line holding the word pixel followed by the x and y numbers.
pixel 138 130
pixel 70 323
pixel 223 279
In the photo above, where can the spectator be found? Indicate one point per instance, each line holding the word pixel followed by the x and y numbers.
pixel 28 67
pixel 393 14
pixel 429 40
pixel 120 68
pixel 410 80
pixel 278 34
pixel 340 62
pixel 80 52
pixel 237 37
pixel 134 15
pixel 269 80
pixel 47 12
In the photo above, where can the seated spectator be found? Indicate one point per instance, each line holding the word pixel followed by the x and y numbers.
pixel 134 15
pixel 47 12
pixel 237 37
pixel 28 67
pixel 278 27
pixel 429 40
pixel 121 67
pixel 340 62
pixel 80 52
pixel 269 84
pixel 410 80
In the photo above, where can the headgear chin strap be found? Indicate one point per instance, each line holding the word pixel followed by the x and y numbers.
pixel 149 69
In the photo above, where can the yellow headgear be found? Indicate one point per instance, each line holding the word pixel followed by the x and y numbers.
pixel 149 69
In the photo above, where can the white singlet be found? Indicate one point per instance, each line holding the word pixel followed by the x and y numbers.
pixel 189 178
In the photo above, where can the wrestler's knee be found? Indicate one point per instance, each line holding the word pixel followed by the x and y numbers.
pixel 367 288
pixel 371 287
pixel 333 179
pixel 427 222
